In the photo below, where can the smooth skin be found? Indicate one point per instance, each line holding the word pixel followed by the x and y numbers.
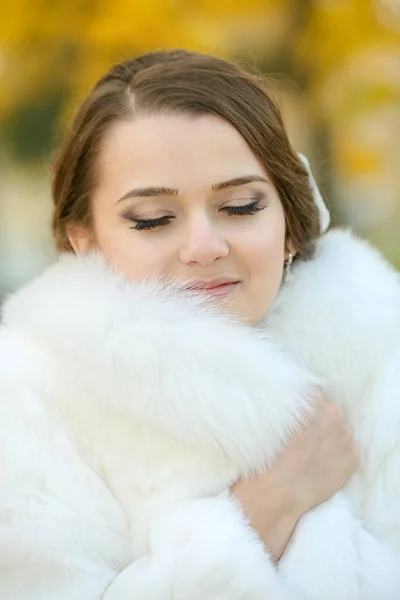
pixel 314 466
pixel 185 198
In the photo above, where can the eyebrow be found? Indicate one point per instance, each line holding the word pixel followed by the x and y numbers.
pixel 147 192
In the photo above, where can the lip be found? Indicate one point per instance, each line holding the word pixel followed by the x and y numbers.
pixel 218 287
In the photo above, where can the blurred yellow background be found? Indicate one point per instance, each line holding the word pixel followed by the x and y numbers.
pixel 333 66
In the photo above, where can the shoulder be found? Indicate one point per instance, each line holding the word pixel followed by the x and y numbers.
pixel 346 265
pixel 347 280
pixel 24 422
pixel 353 261
pixel 21 376
pixel 341 307
pixel 21 362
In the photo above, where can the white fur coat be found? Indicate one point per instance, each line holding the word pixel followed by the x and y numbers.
pixel 128 410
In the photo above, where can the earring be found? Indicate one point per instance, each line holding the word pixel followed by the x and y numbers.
pixel 287 270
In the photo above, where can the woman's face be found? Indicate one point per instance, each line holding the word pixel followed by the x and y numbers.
pixel 185 197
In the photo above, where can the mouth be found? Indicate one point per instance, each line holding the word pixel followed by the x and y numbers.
pixel 217 288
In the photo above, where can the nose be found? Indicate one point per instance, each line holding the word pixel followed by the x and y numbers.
pixel 203 243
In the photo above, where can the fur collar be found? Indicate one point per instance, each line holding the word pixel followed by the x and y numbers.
pixel 340 314
pixel 166 359
pixel 112 346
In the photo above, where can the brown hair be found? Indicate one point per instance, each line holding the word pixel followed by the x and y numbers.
pixel 186 83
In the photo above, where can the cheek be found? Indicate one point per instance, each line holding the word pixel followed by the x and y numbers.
pixel 267 250
pixel 136 261
pixel 135 257
pixel 266 264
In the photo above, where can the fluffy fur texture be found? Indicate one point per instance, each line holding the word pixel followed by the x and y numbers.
pixel 128 410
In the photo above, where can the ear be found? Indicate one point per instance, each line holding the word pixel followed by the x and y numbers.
pixel 80 238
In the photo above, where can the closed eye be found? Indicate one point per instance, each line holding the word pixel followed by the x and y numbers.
pixel 246 209
pixel 146 224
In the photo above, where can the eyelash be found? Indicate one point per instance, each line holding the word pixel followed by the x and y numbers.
pixel 248 209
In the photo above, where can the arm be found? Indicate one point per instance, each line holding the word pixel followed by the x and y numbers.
pixel 330 555
pixel 209 546
pixel 314 466
pixel 346 558
pixel 272 506
pixel 54 544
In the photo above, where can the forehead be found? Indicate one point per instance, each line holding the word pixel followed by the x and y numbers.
pixel 175 150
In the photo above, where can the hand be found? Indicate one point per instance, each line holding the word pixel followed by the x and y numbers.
pixel 316 464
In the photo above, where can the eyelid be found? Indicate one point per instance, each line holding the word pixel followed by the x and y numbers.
pixel 138 215
pixel 251 208
pixel 249 196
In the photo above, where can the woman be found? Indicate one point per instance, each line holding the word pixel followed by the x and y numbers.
pixel 163 359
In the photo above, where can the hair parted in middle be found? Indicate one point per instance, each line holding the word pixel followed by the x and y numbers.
pixel 190 84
